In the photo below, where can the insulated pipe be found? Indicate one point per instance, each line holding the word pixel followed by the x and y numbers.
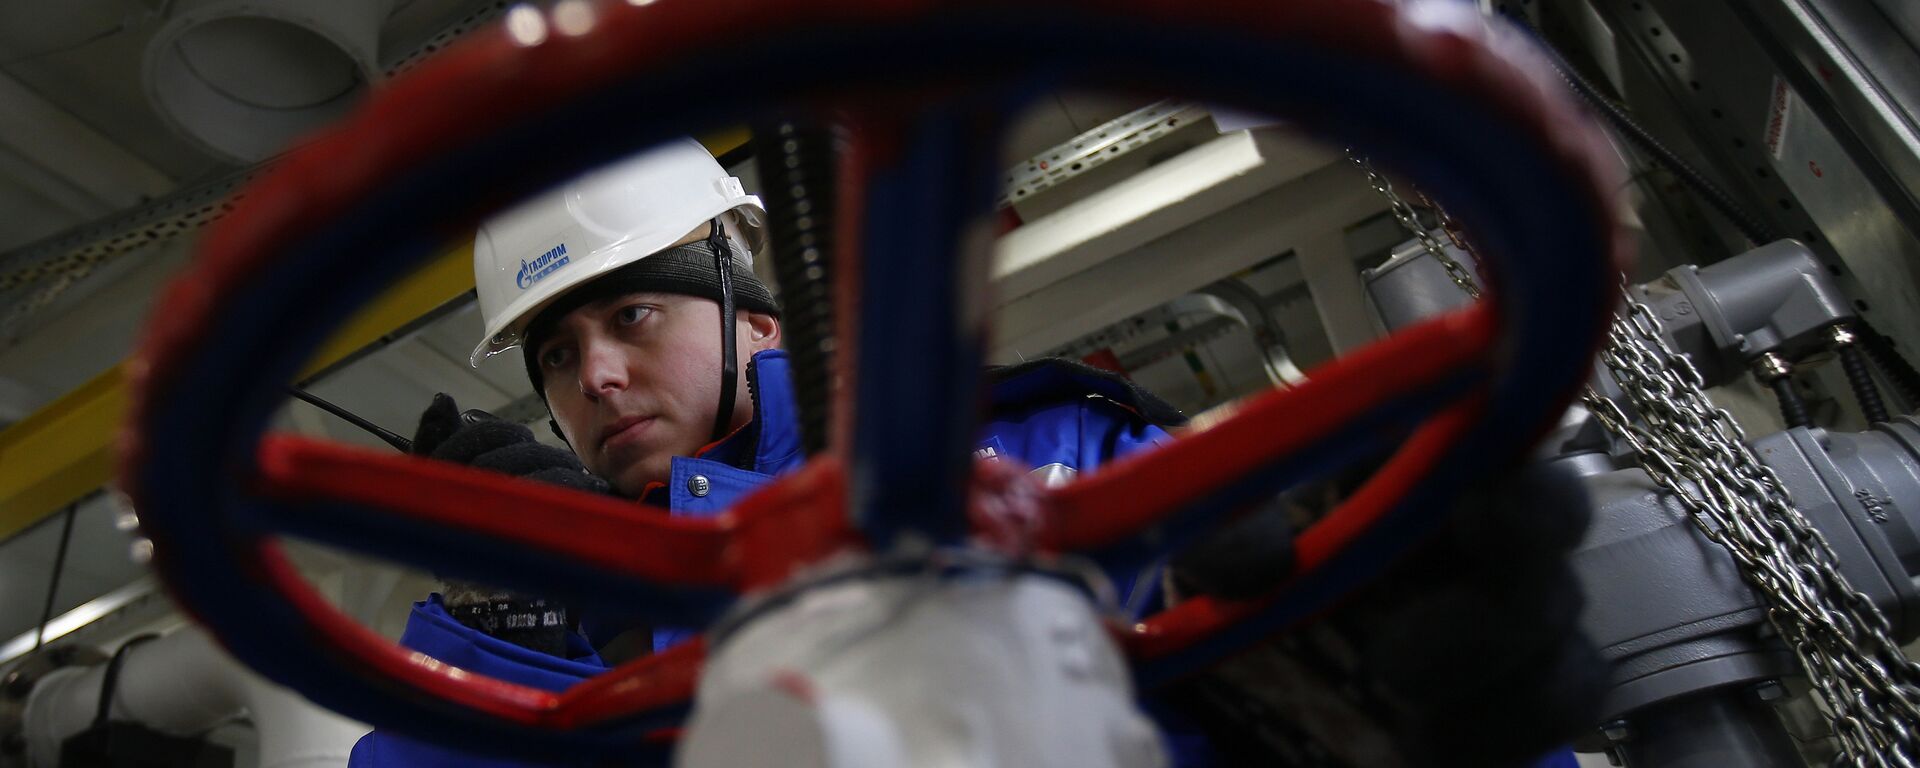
pixel 183 684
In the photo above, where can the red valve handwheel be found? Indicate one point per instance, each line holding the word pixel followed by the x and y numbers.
pixel 1499 143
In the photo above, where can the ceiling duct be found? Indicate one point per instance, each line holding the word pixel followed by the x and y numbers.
pixel 244 78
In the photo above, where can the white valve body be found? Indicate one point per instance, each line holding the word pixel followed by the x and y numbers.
pixel 917 671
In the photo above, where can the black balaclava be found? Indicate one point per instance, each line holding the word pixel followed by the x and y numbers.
pixel 705 269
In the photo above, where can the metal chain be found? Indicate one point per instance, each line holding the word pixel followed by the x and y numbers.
pixel 1694 450
pixel 1869 688
pixel 1404 212
pixel 1447 224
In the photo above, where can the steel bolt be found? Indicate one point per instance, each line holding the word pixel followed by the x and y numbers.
pixel 1772 366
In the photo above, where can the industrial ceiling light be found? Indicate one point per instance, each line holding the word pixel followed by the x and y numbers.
pixel 244 78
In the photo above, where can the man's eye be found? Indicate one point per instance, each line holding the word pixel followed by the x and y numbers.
pixel 632 314
pixel 555 357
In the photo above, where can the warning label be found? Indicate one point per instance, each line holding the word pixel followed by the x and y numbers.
pixel 1779 118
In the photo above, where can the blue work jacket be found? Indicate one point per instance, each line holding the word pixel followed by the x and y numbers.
pixel 1053 419
pixel 1056 420
pixel 436 633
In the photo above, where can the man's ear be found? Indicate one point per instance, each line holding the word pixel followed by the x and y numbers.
pixel 764 331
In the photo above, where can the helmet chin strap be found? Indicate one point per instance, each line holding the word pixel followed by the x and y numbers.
pixel 729 356
pixel 729 348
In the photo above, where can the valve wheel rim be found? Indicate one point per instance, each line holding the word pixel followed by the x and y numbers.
pixel 211 504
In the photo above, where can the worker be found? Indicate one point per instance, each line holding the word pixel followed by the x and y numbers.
pixel 612 289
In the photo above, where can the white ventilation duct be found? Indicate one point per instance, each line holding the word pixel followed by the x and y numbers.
pixel 244 78
pixel 184 684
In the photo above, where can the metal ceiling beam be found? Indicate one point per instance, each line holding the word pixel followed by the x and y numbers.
pixel 34 275
pixel 65 449
pixel 90 173
pixel 1229 239
pixel 1183 189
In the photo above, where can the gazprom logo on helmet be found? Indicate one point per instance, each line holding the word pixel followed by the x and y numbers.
pixel 545 264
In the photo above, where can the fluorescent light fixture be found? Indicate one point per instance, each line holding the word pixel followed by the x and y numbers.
pixel 85 614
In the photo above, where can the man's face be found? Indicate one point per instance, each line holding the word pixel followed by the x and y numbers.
pixel 634 380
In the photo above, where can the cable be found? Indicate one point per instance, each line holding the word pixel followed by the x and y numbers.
pixel 53 581
pixel 1751 227
pixel 1905 380
pixel 404 445
pixel 1859 376
pixel 1864 390
pixel 110 680
pixel 1775 371
pixel 1793 409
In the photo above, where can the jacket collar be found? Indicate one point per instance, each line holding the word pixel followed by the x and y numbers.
pixel 768 445
pixel 770 442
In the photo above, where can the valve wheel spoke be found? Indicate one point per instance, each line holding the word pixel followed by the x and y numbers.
pixel 1516 163
pixel 608 535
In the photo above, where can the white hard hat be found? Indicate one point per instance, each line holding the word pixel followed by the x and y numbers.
pixel 526 258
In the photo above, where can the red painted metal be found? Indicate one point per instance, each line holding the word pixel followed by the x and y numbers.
pixel 613 535
pixel 450 101
pixel 1138 491
pixel 784 525
pixel 1191 621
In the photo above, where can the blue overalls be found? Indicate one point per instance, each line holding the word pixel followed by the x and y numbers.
pixel 1054 420
pixel 436 633
pixel 1041 417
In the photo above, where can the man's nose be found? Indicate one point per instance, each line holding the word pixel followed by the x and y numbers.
pixel 603 369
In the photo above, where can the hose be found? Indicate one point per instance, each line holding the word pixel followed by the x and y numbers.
pixel 1792 408
pixel 796 164
pixel 1861 379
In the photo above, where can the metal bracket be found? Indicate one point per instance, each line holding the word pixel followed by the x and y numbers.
pixel 1105 142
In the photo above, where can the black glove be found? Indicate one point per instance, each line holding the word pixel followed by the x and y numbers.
pixel 1243 559
pixel 479 439
pixel 1467 651
pixel 1484 645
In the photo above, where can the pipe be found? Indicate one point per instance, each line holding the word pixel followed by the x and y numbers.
pixel 183 684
